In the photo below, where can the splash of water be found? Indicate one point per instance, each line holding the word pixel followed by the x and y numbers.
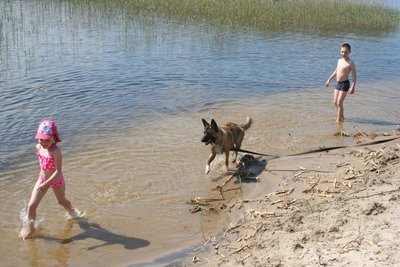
pixel 76 214
pixel 23 216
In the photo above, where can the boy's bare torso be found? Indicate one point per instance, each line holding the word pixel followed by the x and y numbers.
pixel 343 69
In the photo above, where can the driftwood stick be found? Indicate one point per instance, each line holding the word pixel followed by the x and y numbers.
pixel 378 194
pixel 312 187
pixel 240 249
pixel 276 202
pixel 227 181
pixel 284 191
pixel 195 259
pixel 345 249
pixel 244 258
pixel 256 229
pixel 203 245
pixel 231 228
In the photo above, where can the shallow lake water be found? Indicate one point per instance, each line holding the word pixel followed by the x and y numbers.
pixel 128 93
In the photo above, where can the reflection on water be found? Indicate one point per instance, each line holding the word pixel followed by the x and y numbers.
pixel 129 92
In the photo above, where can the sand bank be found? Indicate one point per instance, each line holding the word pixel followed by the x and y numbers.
pixel 331 208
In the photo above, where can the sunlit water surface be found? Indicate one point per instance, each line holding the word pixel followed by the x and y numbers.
pixel 129 92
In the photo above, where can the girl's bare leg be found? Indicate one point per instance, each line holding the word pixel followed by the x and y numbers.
pixel 36 197
pixel 59 192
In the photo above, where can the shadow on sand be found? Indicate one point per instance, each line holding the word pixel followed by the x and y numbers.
pixel 248 170
pixel 251 168
pixel 95 231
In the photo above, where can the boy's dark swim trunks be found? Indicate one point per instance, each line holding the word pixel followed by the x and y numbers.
pixel 343 86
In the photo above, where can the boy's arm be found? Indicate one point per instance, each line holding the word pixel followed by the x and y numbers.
pixel 333 75
pixel 353 78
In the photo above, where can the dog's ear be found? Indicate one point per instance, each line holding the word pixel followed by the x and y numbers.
pixel 214 125
pixel 205 123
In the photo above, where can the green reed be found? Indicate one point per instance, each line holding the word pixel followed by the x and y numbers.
pixel 274 15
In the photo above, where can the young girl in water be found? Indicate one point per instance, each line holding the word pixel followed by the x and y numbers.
pixel 50 176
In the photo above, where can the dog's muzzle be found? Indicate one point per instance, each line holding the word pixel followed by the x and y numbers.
pixel 207 139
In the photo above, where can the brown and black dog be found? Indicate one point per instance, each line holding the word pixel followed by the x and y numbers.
pixel 223 139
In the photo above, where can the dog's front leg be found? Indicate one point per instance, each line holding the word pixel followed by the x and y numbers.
pixel 226 160
pixel 235 155
pixel 210 159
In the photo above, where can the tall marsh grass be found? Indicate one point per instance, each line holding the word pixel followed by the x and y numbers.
pixel 274 15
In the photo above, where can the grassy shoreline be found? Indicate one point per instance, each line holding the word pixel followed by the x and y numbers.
pixel 271 15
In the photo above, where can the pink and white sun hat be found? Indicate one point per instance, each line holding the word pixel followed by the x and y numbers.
pixel 47 129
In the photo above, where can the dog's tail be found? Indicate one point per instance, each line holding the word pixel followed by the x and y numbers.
pixel 247 124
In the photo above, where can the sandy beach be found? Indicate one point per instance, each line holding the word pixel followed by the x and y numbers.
pixel 331 208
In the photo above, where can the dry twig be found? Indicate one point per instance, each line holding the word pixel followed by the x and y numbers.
pixel 244 258
pixel 240 249
pixel 231 228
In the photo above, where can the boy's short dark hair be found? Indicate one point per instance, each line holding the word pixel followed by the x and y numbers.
pixel 346 45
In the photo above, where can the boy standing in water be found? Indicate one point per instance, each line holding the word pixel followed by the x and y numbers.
pixel 344 66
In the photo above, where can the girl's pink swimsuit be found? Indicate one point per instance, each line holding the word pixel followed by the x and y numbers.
pixel 47 164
